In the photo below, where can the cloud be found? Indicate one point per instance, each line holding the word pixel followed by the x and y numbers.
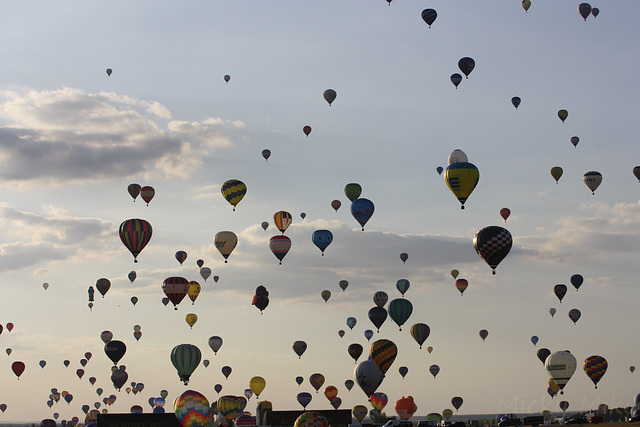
pixel 55 235
pixel 67 135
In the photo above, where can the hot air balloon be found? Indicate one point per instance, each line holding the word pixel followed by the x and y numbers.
pixel 461 285
pixel 542 354
pixel 103 285
pixel 119 377
pixel 575 140
pixel 283 220
pixel 134 300
pixel 383 352
pixel 516 101
pixel 560 291
pixel 454 273
pixel 576 281
pixel 504 213
pixel 351 322
pixel 595 12
pixel 191 319
pixel 134 190
pixel 362 209
pixel 192 409
pixel 185 358
pixel 402 286
pixel 563 114
pixel 434 370
pixel 233 191
pixel 561 365
pixel 403 370
pixel 147 192
pixel 316 380
pixel 225 242
pixel 461 178
pixel 266 153
pixel 368 334
pixel 380 298
pixel 109 71
pixel 526 4
pixel 400 310
pixel 132 276
pixel 377 315
pixel 307 129
pixel 405 407
pixel 343 284
pixel 257 385
pixel 378 400
pixel 368 376
pixel 205 272
pixel 358 411
pixel 18 368
pixel 341 333
pixel 181 256
pixel 329 95
pixel 135 234
pixel 584 9
pixel 335 204
pixel 261 298
pixel 595 367
pixel 114 350
pixel 493 243
pixel 355 351
pixel 632 368
pixel 279 246
pixel 420 332
pixel 311 419
pixel 556 173
pixel 534 340
pixel 299 380
pixel 215 342
pixel 574 315
pixel 304 399
pixel 175 288
pixel 483 334
pixel 353 191
pixel 439 169
pixel 299 347
pixel 552 311
pixel 194 291
pixel 456 402
pixel 404 257
pixel 456 79
pixel 322 239
pixel 592 179
pixel 466 65
pixel 326 294
pixel 429 16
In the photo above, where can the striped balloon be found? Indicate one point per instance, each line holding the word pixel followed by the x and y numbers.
pixel 192 409
pixel 595 367
pixel 383 352
pixel 233 190
pixel 311 419
pixel 185 358
pixel 561 365
pixel 400 310
pixel 135 233
pixel 175 288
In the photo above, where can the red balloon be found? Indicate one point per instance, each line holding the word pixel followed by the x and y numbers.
pixel 504 213
pixel 147 193
pixel 17 368
pixel 9 326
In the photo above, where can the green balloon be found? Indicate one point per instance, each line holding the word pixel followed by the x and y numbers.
pixel 352 191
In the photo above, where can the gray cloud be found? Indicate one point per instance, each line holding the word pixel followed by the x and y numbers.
pixel 67 135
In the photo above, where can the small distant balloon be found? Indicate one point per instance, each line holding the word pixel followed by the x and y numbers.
pixel 329 95
pixel 404 257
pixel 563 114
pixel 109 71
pixel 584 9
pixel 575 140
pixel 526 4
pixel 439 169
pixel 335 204
pixel 504 213
pixel 466 65
pixel 456 79
pixel 556 173
pixel 516 101
pixel 227 77
pixel 266 153
pixel 306 129
pixel 429 16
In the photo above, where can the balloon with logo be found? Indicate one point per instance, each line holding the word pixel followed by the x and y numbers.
pixel 191 319
pixel 592 179
pixel 185 358
pixel 595 367
pixel 461 178
pixel 316 380
pixel 225 242
pixel 493 243
pixel 175 288
pixel 353 191
pixel 233 191
pixel 147 193
pixel 257 385
pixel 114 350
pixel 304 399
pixel 311 419
pixel 420 332
pixel 368 376
pixel 362 209
pixel 378 400
pixel 405 407
pixel 456 402
pixel 322 239
pixel 561 365
pixel 383 352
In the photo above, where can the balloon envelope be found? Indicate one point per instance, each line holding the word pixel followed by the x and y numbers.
pixel 192 409
pixel 135 233
pixel 362 209
pixel 233 191
pixel 461 178
pixel 329 95
pixel 185 358
pixel 492 243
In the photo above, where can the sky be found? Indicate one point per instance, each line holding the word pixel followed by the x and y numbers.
pixel 73 138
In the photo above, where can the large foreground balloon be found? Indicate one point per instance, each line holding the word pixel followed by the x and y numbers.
pixel 405 407
pixel 135 233
pixel 192 409
pixel 311 419
pixel 561 365
pixel 185 358
pixel 233 191
pixel 461 178
pixel 362 210
pixel 595 367
pixel 368 376
pixel 493 243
